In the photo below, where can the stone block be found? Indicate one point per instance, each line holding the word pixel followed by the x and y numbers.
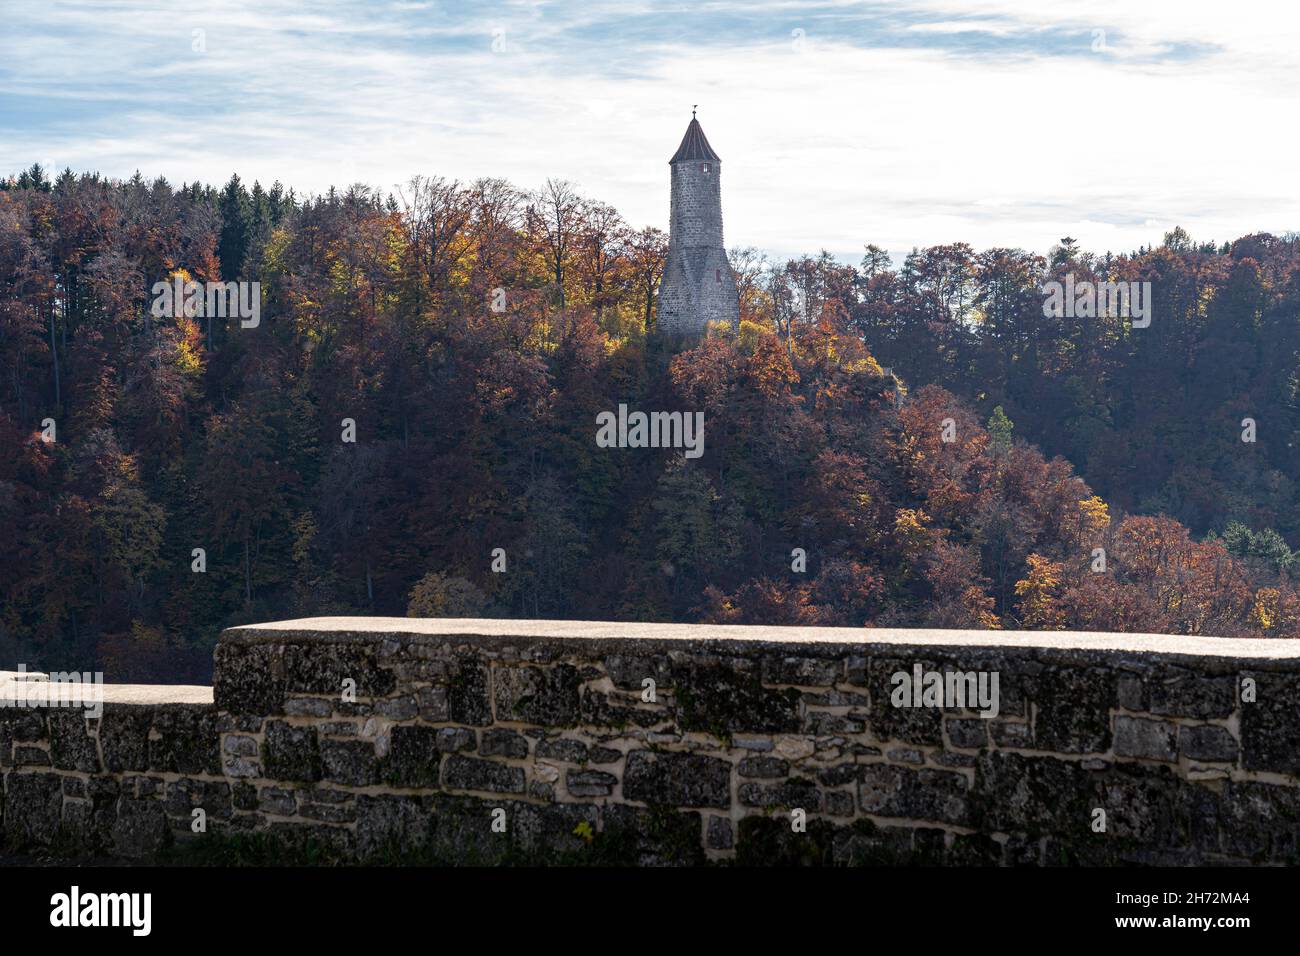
pixel 141 827
pixel 1270 725
pixel 789 795
pixel 891 791
pixel 719 833
pixel 185 739
pixel 33 804
pixel 1192 695
pixel 1151 739
pixel 563 749
pixel 414 757
pixel 967 733
pixel 590 783
pixel 290 752
pixel 729 697
pixel 469 773
pixel 500 742
pixel 213 796
pixel 802 671
pixel 352 763
pixel 1207 742
pixel 537 695
pixel 628 671
pixel 1074 707
pixel 763 767
pixel 72 746
pixel 467 694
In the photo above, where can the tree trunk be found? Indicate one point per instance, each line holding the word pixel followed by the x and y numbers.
pixel 54 354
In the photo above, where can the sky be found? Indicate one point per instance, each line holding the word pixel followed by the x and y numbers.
pixel 901 124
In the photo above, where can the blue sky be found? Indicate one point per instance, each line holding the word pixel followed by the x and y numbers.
pixel 996 122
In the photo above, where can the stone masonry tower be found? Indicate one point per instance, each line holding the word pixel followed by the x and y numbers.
pixel 697 286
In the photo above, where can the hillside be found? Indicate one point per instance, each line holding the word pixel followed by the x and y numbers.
pixel 473 333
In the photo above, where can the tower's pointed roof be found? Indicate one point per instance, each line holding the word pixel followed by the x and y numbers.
pixel 694 145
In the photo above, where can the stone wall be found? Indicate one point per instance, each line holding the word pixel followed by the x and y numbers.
pixel 499 741
pixel 114 785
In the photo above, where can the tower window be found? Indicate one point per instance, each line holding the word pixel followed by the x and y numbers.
pixel 705 167
pixel 717 275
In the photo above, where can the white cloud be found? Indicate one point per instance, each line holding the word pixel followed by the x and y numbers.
pixel 891 136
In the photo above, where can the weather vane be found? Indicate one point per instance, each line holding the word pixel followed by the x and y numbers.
pixel 694 107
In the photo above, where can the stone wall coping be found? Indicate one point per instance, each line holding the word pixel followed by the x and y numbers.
pixel 615 636
pixel 148 694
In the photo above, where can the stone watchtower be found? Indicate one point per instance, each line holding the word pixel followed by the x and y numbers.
pixel 697 286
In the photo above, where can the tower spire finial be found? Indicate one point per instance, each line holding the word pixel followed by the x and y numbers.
pixel 693 109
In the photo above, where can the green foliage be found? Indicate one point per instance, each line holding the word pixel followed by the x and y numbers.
pixel 1267 545
pixel 999 427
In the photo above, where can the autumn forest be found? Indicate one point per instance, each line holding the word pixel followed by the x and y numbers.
pixel 1097 477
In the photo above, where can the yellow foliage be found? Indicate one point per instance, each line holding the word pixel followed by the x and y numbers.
pixel 1266 612
pixel 865 366
pixel 188 361
pixel 912 531
pixel 1094 515
pixel 748 336
pixel 1037 592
